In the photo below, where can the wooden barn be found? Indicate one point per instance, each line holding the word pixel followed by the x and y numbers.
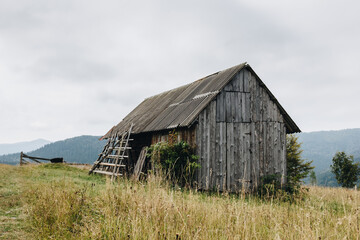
pixel 232 119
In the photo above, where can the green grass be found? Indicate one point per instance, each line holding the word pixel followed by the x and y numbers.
pixel 11 214
pixel 56 201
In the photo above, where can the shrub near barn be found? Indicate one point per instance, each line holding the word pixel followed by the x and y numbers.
pixel 175 159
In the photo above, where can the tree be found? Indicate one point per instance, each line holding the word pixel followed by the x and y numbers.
pixel 297 168
pixel 345 170
pixel 313 180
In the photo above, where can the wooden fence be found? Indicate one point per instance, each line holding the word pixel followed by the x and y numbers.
pixel 25 159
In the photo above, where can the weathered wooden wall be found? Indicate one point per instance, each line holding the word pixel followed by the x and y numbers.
pixel 240 137
pixel 183 134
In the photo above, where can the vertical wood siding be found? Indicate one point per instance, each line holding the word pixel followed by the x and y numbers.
pixel 240 137
pixel 183 134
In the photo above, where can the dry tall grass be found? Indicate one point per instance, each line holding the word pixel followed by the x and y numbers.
pixel 72 205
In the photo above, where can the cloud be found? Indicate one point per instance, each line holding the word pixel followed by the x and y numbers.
pixel 78 67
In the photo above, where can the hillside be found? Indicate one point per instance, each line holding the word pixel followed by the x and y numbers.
pixel 82 149
pixel 8 148
pixel 55 201
pixel 322 146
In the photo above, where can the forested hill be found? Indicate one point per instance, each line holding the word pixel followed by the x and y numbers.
pixel 322 146
pixel 83 149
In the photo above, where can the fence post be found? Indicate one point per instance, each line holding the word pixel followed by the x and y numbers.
pixel 21 158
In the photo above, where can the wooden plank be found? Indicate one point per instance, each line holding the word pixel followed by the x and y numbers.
pixel 247 156
pixel 107 173
pixel 261 149
pixel 241 80
pixel 270 148
pixel 238 107
pixel 254 159
pixel 119 148
pixel 237 157
pixel 140 163
pixel 280 150
pixel 275 112
pixel 218 104
pixel 221 114
pixel 276 158
pixel 252 97
pixel 257 155
pixel 280 116
pixel 260 104
pixel 266 145
pixel 223 162
pixel 218 160
pixel 228 107
pixel 256 100
pixel 243 154
pixel 229 156
pixel 111 164
pixel 247 109
pixel 233 100
pixel 208 138
pixel 198 150
pixel 204 150
pixel 243 107
pixel 270 110
pixel 116 156
pixel 201 148
pixel 247 76
pixel 236 83
pixel 232 158
pixel 283 155
pixel 35 158
pixel 212 140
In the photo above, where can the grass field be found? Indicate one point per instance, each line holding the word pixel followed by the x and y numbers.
pixel 62 202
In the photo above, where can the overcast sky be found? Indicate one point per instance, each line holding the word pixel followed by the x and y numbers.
pixel 71 67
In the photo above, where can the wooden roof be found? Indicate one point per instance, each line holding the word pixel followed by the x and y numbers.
pixel 179 107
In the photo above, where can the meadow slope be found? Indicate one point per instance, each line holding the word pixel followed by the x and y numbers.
pixel 63 202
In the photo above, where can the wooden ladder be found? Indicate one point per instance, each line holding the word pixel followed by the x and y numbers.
pixel 111 159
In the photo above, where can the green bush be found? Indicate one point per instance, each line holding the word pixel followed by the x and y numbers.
pixel 175 159
pixel 270 185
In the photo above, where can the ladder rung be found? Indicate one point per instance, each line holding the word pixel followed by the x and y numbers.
pixel 107 173
pixel 111 164
pixel 116 156
pixel 117 148
pixel 124 141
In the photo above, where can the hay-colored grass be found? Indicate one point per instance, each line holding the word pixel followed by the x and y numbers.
pixel 61 202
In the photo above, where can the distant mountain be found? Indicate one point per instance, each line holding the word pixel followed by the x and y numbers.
pixel 7 148
pixel 83 149
pixel 322 146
